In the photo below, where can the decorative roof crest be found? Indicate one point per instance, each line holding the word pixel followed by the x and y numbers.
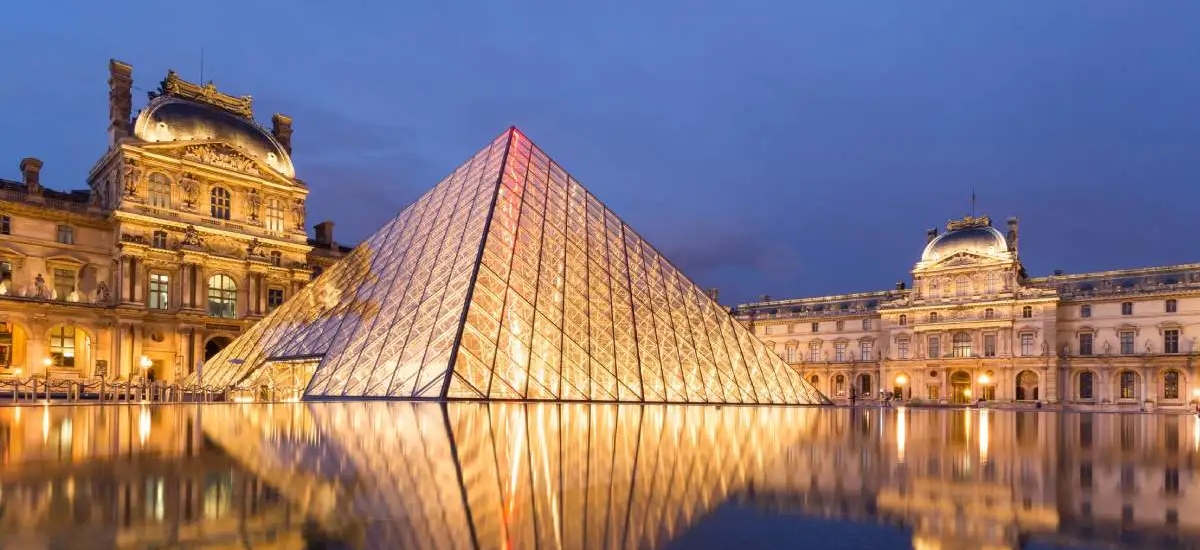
pixel 172 85
pixel 967 222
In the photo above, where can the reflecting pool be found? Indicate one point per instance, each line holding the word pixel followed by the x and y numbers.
pixel 466 475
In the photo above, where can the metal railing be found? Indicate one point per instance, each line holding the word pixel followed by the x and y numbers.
pixel 100 390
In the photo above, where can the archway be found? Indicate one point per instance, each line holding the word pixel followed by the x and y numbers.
pixel 13 339
pixel 70 348
pixel 215 345
pixel 864 385
pixel 960 383
pixel 1027 386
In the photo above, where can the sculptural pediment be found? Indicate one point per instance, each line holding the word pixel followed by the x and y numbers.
pixel 222 156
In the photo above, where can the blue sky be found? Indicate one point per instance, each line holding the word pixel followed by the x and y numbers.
pixel 767 147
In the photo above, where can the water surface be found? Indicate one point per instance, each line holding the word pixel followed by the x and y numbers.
pixel 404 475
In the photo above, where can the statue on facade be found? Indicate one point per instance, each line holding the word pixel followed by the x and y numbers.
pixel 254 248
pixel 39 286
pixel 191 189
pixel 253 203
pixel 102 293
pixel 131 176
pixel 298 213
pixel 191 237
pixel 1107 347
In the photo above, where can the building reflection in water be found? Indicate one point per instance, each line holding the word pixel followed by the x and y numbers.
pixel 405 475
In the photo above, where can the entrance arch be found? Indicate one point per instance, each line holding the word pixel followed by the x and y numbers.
pixel 960 383
pixel 864 385
pixel 214 346
pixel 13 341
pixel 1027 386
pixel 70 348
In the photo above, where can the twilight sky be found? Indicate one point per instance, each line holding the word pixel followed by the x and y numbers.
pixel 767 147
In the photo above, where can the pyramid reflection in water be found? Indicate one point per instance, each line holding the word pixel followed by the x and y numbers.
pixel 509 475
pixel 508 280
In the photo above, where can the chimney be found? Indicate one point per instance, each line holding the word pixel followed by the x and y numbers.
pixel 31 170
pixel 1012 234
pixel 930 235
pixel 324 233
pixel 281 128
pixel 120 100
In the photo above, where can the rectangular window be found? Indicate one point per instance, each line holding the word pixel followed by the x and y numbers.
pixel 989 345
pixel 935 347
pixel 839 351
pixel 816 326
pixel 1126 308
pixel 935 391
pixel 1026 344
pixel 1171 341
pixel 1126 342
pixel 274 221
pixel 62 346
pixel 790 356
pixel 275 299
pixel 1172 306
pixel 66 234
pixel 841 325
pixel 1085 311
pixel 1085 343
pixel 865 349
pixel 160 286
pixel 5 272
pixel 902 349
pixel 64 283
pixel 5 225
pixel 814 354
pixel 866 324
pixel 158 239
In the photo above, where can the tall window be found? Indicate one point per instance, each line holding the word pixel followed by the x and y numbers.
pixel 5 225
pixel 1172 306
pixel 1027 312
pixel 839 351
pixel 1128 384
pixel 814 352
pixel 1085 311
pixel 989 313
pixel 839 385
pixel 1126 308
pixel 933 317
pixel 1087 382
pixel 274 217
pixel 276 258
pixel 935 290
pixel 222 296
pixel 66 234
pixel 160 285
pixel 789 352
pixel 841 325
pixel 1126 337
pixel 993 281
pixel 865 349
pixel 160 190
pixel 989 345
pixel 902 349
pixel 1085 343
pixel 62 346
pixel 1171 384
pixel 1027 344
pixel 64 283
pixel 275 299
pixel 1171 341
pixel 961 344
pixel 158 239
pixel 935 347
pixel 220 203
pixel 903 319
pixel 961 286
pixel 866 324
pixel 5 271
pixel 816 327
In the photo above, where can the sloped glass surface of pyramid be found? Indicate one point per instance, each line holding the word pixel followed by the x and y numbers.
pixel 508 280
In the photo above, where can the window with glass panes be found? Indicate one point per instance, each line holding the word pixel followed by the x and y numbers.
pixel 1128 385
pixel 160 287
pixel 1126 308
pixel 902 349
pixel 989 345
pixel 62 346
pixel 934 347
pixel 1085 311
pixel 1171 384
pixel 1027 344
pixel 159 239
pixel 220 203
pixel 5 225
pixel 1085 343
pixel 1172 306
pixel 1171 341
pixel 222 296
pixel 275 299
pixel 1126 338
pixel 865 349
pixel 814 352
pixel 274 215
pixel 839 351
pixel 66 234
pixel 160 190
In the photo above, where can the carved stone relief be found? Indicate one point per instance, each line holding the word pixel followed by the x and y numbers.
pixel 221 156
pixel 131 176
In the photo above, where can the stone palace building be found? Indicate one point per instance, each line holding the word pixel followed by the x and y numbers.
pixel 192 228
pixel 975 326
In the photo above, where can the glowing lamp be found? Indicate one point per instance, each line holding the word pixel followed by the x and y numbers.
pixel 985 379
pixel 901 379
pixel 47 361
pixel 145 362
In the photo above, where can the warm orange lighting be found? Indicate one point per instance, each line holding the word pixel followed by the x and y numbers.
pixel 901 380
pixel 985 379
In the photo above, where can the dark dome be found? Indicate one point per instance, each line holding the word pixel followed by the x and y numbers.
pixel 169 119
pixel 985 240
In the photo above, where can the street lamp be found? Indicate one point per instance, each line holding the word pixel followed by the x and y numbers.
pixel 144 364
pixel 902 380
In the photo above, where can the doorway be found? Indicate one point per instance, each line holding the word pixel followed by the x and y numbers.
pixel 960 383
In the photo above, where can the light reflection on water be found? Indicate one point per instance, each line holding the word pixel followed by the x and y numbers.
pixel 404 475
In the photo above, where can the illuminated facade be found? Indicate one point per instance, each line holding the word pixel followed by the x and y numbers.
pixel 508 280
pixel 975 326
pixel 192 228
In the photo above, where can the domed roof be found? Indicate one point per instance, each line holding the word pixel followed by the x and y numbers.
pixel 168 119
pixel 980 239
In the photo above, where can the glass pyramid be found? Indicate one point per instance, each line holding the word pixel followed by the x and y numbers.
pixel 508 280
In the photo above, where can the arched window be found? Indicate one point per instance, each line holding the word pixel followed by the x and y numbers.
pixel 814 379
pixel 1087 385
pixel 903 319
pixel 1128 381
pixel 274 218
pixel 220 203
pixel 839 384
pixel 961 286
pixel 1171 384
pixel 962 344
pixel 160 190
pixel 222 296
pixel 1027 312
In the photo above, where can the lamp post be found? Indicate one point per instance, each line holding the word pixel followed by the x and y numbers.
pixel 144 364
pixel 984 380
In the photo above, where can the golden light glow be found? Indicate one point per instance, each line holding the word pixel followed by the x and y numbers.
pixel 984 436
pixel 47 361
pixel 984 379
pixel 901 433
pixel 901 379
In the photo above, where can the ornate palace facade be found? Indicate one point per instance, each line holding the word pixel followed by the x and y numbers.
pixel 191 229
pixel 975 326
